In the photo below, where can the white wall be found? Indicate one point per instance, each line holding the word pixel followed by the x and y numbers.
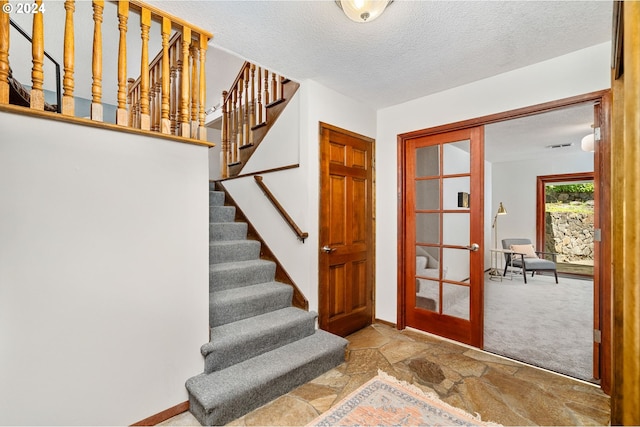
pixel 103 273
pixel 298 189
pixel 576 73
pixel 514 184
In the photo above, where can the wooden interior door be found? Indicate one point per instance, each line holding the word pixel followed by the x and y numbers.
pixel 444 257
pixel 346 241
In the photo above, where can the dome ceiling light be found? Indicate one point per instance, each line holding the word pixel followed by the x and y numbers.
pixel 363 10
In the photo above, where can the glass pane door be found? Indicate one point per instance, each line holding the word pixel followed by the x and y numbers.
pixel 445 280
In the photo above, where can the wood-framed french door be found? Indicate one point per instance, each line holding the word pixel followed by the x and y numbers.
pixel 602 249
pixel 443 208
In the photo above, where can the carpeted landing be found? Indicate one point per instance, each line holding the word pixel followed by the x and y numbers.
pixel 261 347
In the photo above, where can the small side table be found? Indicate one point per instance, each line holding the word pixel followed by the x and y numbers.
pixel 497 264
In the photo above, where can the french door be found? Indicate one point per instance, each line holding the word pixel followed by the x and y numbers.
pixel 443 253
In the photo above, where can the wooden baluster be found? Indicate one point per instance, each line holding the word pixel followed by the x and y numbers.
pixel 68 84
pixel 122 117
pixel 195 87
pixel 252 117
pixel 131 101
pixel 184 90
pixel 96 87
pixel 281 80
pixel 145 25
pixel 158 102
pixel 175 87
pixel 259 82
pixel 202 130
pixel 274 87
pixel 241 112
pixel 224 138
pixel 266 92
pixel 152 99
pixel 165 126
pixel 4 55
pixel 37 50
pixel 245 120
pixel 234 134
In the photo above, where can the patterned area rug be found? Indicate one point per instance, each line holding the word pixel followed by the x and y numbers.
pixel 386 401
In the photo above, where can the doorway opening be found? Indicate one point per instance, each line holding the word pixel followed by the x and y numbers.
pixel 511 167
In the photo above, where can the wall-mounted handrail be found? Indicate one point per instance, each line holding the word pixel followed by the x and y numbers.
pixel 301 234
pixel 58 87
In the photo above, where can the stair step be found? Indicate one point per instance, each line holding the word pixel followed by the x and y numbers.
pixel 220 397
pixel 222 214
pixel 220 231
pixel 239 341
pixel 242 273
pixel 233 250
pixel 231 305
pixel 216 198
pixel 212 186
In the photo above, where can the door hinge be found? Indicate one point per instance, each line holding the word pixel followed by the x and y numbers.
pixel 596 134
pixel 597 336
pixel 597 235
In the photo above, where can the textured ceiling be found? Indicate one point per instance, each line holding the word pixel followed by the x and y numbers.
pixel 414 49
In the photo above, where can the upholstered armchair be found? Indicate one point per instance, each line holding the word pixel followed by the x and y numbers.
pixel 525 256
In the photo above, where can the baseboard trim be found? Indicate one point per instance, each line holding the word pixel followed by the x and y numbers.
pixel 384 322
pixel 164 415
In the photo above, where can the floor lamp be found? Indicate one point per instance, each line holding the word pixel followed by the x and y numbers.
pixel 494 270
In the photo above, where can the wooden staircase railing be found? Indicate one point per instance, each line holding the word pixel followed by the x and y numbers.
pixel 249 109
pixel 301 234
pixel 169 95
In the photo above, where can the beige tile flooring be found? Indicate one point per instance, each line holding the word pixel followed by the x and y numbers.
pixel 500 390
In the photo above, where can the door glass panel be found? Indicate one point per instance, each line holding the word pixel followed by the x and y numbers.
pixel 452 190
pixel 428 228
pixel 455 265
pixel 427 294
pixel 427 262
pixel 456 158
pixel 428 161
pixel 428 194
pixel 456 228
pixel 455 300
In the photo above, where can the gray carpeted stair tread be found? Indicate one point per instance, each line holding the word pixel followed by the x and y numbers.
pixel 235 304
pixel 220 231
pixel 238 341
pixel 242 273
pixel 233 250
pixel 220 397
pixel 216 198
pixel 222 214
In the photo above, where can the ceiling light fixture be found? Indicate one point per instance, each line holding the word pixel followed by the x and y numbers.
pixel 363 10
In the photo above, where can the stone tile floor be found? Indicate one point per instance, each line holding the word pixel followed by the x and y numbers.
pixel 500 390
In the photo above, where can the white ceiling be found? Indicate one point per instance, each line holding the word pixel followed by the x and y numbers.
pixel 414 49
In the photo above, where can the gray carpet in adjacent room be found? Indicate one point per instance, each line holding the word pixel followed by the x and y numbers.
pixel 542 323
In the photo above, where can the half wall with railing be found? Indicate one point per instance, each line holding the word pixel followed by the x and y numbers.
pixel 166 94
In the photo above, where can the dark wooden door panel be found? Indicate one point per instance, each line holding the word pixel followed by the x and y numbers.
pixel 346 231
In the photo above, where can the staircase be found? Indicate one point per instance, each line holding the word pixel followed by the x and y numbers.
pixel 260 347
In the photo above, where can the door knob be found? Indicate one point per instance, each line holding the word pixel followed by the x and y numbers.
pixel 474 247
pixel 327 249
